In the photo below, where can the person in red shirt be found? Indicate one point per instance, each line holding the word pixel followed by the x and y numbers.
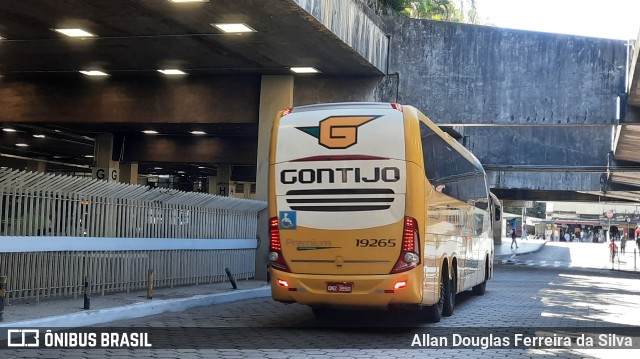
pixel 613 249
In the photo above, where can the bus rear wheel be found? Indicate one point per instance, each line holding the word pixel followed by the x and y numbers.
pixel 482 287
pixel 450 296
pixel 434 312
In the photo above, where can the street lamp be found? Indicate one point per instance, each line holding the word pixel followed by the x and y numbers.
pixel 628 220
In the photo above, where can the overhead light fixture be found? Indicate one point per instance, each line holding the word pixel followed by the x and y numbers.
pixel 75 32
pixel 198 133
pixel 39 136
pixel 150 132
pixel 22 145
pixel 7 129
pixel 2 38
pixel 305 70
pixel 172 72
pixel 234 28
pixel 200 167
pixel 181 172
pixel 88 156
pixel 94 73
pixel 181 1
pixel 157 168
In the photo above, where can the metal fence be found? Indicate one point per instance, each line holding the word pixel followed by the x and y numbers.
pixel 51 225
pixel 50 274
pixel 36 204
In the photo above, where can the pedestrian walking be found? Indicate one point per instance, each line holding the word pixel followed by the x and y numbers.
pixel 623 243
pixel 513 238
pixel 613 249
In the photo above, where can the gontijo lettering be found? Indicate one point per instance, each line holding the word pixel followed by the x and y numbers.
pixel 340 175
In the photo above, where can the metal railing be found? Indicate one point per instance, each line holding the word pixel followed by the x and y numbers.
pixel 50 274
pixel 36 204
pixel 56 229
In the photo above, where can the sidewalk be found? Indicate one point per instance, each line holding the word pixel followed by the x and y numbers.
pixel 69 312
pixel 585 255
pixel 503 251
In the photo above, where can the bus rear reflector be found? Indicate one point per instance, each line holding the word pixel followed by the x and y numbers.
pixel 410 250
pixel 283 283
pixel 400 284
pixel 276 259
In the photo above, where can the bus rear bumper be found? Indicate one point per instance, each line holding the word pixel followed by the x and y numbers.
pixel 366 291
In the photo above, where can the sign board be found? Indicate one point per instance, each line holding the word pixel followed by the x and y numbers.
pixel 610 214
pixel 107 174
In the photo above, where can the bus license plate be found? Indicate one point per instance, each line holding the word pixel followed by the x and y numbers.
pixel 339 287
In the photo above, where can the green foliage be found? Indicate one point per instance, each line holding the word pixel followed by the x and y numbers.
pixel 395 7
pixel 442 10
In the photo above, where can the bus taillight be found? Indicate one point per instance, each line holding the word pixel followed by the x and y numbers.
pixel 286 111
pixel 276 258
pixel 410 254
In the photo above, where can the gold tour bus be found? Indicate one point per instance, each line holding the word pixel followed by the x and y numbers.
pixel 372 206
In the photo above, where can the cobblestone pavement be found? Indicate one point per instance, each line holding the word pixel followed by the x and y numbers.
pixel 517 299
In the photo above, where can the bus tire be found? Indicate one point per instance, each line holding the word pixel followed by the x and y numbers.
pixel 482 287
pixel 450 295
pixel 433 313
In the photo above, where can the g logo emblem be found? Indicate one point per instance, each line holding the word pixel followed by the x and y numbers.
pixel 338 132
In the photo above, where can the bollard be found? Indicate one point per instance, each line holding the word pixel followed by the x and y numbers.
pixel 268 275
pixel 87 297
pixel 150 284
pixel 634 259
pixel 233 282
pixel 3 281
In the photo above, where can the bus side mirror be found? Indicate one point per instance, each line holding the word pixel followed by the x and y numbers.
pixel 498 215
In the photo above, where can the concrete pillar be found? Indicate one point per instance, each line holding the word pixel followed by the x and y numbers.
pixel 104 150
pixel 105 167
pixel 499 226
pixel 219 184
pixel 129 172
pixel 212 185
pixel 36 166
pixel 276 93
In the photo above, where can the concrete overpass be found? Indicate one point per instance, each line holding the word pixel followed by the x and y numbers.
pixel 539 110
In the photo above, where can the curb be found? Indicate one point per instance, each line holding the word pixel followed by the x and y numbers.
pixel 505 256
pixel 138 310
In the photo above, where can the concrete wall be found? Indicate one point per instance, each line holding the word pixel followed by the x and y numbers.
pixel 322 89
pixel 552 146
pixel 518 98
pixel 469 74
pixel 354 24
pixel 190 99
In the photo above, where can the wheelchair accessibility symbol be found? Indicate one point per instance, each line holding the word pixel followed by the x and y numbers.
pixel 287 220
